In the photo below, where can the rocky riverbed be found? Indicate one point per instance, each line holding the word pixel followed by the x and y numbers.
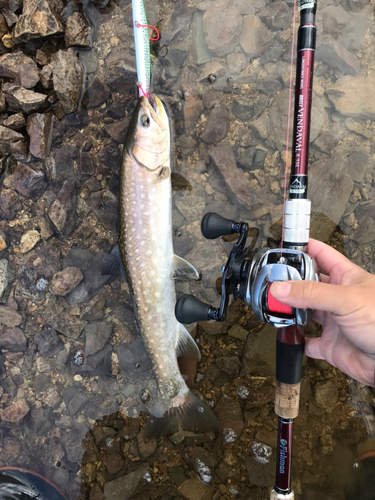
pixel 75 381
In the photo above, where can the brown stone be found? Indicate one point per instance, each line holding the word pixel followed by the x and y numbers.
pixel 64 281
pixel 16 412
pixel 38 19
pixel 10 64
pixel 40 127
pixel 222 23
pixel 67 79
pixel 77 31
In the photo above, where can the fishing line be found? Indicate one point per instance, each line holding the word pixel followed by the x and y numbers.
pixel 289 106
pixel 138 25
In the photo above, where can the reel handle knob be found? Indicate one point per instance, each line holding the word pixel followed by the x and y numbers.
pixel 214 225
pixel 190 309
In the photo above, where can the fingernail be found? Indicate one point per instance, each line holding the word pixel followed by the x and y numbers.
pixel 281 290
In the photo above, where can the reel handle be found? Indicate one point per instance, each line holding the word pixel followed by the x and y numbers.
pixel 214 225
pixel 190 309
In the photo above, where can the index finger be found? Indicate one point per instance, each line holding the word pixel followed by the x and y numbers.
pixel 327 257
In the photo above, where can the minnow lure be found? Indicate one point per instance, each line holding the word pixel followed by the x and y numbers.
pixel 142 48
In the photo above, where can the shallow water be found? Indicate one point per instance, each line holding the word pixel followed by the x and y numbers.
pixel 223 70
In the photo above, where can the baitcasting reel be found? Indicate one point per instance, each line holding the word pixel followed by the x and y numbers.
pixel 250 279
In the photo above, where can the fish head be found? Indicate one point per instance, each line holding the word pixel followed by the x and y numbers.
pixel 148 137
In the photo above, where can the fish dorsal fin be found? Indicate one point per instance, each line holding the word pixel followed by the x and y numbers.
pixel 183 270
pixel 186 345
pixel 114 264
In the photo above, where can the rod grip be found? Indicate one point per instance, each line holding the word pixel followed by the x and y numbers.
pixel 282 496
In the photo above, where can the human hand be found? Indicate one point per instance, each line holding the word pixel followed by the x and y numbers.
pixel 344 303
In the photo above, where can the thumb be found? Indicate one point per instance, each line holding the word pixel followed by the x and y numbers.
pixel 335 299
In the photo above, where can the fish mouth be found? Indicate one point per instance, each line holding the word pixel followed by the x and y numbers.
pixel 151 109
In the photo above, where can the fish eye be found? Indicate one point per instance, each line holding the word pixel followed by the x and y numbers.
pixel 144 120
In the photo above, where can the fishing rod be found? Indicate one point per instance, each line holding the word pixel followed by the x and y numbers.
pixel 250 278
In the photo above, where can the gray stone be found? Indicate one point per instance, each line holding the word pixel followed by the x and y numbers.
pixel 7 136
pixel 38 19
pixel 229 364
pixel 222 23
pixel 229 413
pixel 40 128
pixel 360 164
pixel 118 129
pixel 62 212
pixel 125 487
pixel 68 325
pixel 9 317
pixel 200 53
pixel 97 335
pixel 245 111
pixel 48 342
pixel 15 122
pixel 350 96
pixel 97 92
pixel 29 182
pixel 276 16
pixel 27 76
pixel 254 36
pixel 194 489
pixel 46 77
pixel 191 206
pixel 193 108
pixel 10 64
pixel 9 203
pixel 259 354
pixel 6 277
pixel 13 339
pixel 336 56
pixel 21 99
pixel 67 79
pixel 77 31
pixel 217 125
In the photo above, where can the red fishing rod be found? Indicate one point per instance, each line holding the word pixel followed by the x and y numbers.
pixel 290 342
pixel 250 279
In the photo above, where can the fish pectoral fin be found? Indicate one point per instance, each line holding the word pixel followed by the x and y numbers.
pixel 164 173
pixel 186 345
pixel 183 270
pixel 114 264
pixel 189 414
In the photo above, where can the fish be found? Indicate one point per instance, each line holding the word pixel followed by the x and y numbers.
pixel 144 256
pixel 142 48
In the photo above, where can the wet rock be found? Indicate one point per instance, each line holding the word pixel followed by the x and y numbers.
pixel 62 212
pixel 64 164
pixel 64 281
pixel 329 179
pixel 191 206
pixel 29 240
pixel 16 412
pixel 40 128
pixel 236 63
pixel 8 136
pixel 326 141
pixel 9 203
pixel 27 76
pixel 276 16
pixel 48 342
pixel 133 360
pixel 114 463
pixel 10 64
pixel 98 92
pixel 358 128
pixel 77 31
pixel 229 364
pixel 46 77
pixel 254 36
pixel 326 394
pixel 29 182
pixel 350 97
pixel 96 335
pixel 217 125
pixel 199 50
pixel 125 487
pixel 91 265
pixel 146 448
pixel 67 79
pixel 38 19
pixel 194 489
pixel 229 413
pixel 7 275
pixel 3 244
pixel 105 206
pixel 118 129
pixel 259 396
pixel 68 325
pixel 222 23
pixel 259 353
pixel 260 474
pixel 238 332
pixel 122 73
pixel 224 159
pixel 193 108
pixel 20 99
pixel 9 317
pixel 336 56
pixel 245 111
pixel 13 339
pixel 15 122
pixel 360 164
pixel 20 151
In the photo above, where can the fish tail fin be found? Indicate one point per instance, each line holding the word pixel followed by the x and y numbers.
pixel 192 415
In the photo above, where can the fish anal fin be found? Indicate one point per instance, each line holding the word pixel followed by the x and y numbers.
pixel 192 415
pixel 182 269
pixel 114 264
pixel 186 345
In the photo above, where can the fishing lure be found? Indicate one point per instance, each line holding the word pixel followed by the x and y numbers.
pixel 142 48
